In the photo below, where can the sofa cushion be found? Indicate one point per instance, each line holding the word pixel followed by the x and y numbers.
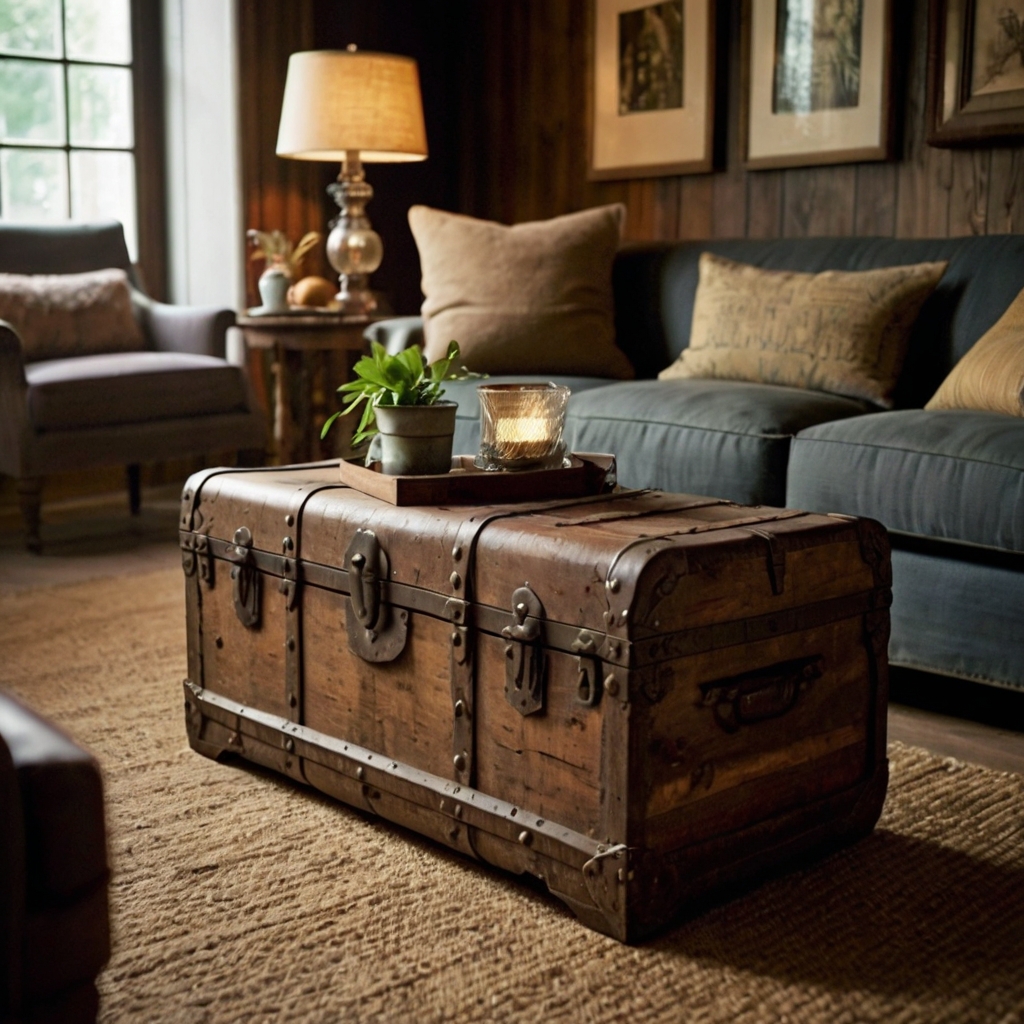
pixel 61 315
pixel 532 298
pixel 467 416
pixel 729 439
pixel 655 285
pixel 836 331
pixel 991 375
pixel 130 387
pixel 954 474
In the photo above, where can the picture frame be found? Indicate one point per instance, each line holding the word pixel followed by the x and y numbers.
pixel 815 91
pixel 651 100
pixel 975 94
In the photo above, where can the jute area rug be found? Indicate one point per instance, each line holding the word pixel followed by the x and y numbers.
pixel 237 896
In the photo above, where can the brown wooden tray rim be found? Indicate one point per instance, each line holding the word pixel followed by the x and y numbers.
pixel 465 484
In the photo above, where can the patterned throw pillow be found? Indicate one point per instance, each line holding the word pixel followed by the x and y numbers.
pixel 845 332
pixel 990 377
pixel 62 315
pixel 534 298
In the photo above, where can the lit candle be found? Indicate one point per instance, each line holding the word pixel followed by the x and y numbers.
pixel 523 437
pixel 521 425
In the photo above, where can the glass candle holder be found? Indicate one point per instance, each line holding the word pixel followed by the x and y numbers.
pixel 521 426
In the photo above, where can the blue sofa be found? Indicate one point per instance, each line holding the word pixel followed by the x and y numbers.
pixel 949 485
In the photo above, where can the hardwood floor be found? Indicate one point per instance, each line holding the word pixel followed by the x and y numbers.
pixel 97 538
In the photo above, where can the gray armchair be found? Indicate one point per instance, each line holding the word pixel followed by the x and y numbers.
pixel 178 397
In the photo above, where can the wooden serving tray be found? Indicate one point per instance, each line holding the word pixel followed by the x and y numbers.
pixel 466 485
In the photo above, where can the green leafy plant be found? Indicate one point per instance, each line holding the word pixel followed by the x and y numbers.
pixel 402 379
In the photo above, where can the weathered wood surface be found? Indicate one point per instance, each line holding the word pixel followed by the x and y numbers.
pixel 505 94
pixel 736 658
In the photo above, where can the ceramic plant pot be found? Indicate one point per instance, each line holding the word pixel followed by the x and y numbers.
pixel 274 284
pixel 416 440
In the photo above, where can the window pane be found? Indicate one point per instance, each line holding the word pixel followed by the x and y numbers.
pixel 30 26
pixel 101 106
pixel 98 30
pixel 33 184
pixel 103 186
pixel 31 102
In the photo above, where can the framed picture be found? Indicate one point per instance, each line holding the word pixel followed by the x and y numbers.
pixel 652 79
pixel 975 72
pixel 818 82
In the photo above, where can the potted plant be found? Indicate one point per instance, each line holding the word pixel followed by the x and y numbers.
pixel 402 405
pixel 282 264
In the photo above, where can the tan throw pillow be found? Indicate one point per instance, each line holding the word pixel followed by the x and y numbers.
pixel 62 315
pixel 840 331
pixel 990 377
pixel 535 298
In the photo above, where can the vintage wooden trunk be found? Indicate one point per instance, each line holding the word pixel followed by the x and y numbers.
pixel 641 698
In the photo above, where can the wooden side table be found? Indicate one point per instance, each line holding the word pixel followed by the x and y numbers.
pixel 296 362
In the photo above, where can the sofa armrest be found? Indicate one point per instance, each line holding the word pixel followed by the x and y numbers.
pixel 397 333
pixel 13 391
pixel 197 330
pixel 63 935
pixel 12 884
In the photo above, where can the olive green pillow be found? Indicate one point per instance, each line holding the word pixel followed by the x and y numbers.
pixel 845 332
pixel 535 298
pixel 63 315
pixel 990 377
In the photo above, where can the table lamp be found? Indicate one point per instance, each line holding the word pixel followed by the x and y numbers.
pixel 354 107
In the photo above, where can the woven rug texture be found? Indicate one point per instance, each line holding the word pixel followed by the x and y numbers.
pixel 239 896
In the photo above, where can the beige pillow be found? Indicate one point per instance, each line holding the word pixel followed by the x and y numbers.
pixel 990 377
pixel 61 315
pixel 535 298
pixel 840 331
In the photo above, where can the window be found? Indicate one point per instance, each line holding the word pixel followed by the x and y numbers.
pixel 67 140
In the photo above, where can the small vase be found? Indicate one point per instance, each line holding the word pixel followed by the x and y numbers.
pixel 274 284
pixel 416 440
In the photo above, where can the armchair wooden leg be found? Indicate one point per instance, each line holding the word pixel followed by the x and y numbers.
pixel 133 473
pixel 30 497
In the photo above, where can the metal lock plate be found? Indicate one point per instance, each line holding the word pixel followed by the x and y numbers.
pixel 376 632
pixel 588 669
pixel 525 657
pixel 246 582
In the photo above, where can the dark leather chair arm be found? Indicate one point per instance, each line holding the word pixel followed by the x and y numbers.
pixel 13 389
pixel 12 885
pixel 54 839
pixel 397 333
pixel 198 330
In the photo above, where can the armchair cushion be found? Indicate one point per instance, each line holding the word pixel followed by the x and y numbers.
pixel 130 387
pixel 59 315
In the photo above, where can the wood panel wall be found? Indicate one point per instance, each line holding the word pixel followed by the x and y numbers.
pixel 276 193
pixel 528 109
pixel 505 94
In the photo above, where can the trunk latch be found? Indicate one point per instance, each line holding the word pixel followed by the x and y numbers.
pixel 245 579
pixel 526 662
pixel 376 632
pixel 588 668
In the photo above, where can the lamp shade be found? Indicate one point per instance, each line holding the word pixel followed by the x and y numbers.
pixel 338 101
